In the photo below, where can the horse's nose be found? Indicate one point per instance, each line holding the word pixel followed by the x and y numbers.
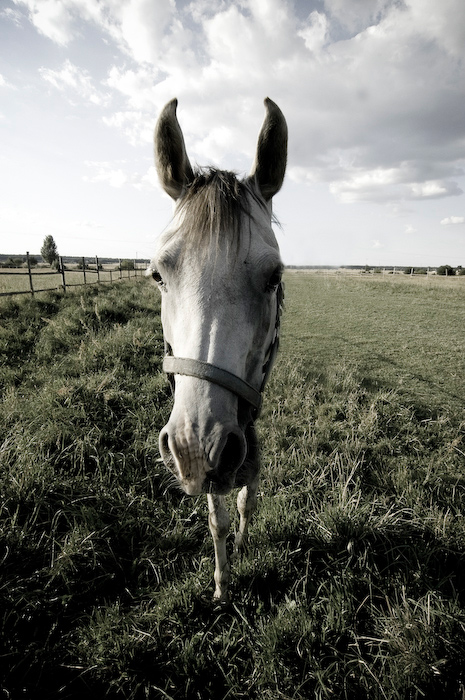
pixel 197 469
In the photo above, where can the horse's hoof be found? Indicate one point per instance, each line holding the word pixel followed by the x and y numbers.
pixel 222 601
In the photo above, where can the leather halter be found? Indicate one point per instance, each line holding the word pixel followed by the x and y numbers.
pixel 221 377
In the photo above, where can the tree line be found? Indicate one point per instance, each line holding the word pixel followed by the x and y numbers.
pixel 49 254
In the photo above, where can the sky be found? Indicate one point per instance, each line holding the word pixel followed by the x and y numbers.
pixel 373 92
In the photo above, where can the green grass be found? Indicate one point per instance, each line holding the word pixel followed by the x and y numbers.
pixel 18 280
pixel 352 585
pixel 402 332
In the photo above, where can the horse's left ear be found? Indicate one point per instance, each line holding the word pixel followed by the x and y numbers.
pixel 173 167
pixel 270 160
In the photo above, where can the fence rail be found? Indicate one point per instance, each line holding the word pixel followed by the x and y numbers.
pixel 66 274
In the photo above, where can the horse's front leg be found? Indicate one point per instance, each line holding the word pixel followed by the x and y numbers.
pixel 218 521
pixel 246 504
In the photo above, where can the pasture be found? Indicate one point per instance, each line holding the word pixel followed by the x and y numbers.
pixel 16 281
pixel 352 585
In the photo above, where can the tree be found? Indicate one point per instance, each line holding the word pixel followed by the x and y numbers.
pixel 49 251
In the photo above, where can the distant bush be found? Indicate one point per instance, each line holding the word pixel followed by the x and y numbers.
pixel 415 271
pixel 13 262
pixel 88 266
pixel 446 270
pixel 127 265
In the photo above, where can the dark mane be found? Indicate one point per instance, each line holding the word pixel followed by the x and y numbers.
pixel 213 206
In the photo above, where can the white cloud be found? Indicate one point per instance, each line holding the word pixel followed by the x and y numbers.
pixel 373 91
pixel 87 224
pixel 453 220
pixel 74 79
pixel 13 215
pixel 434 189
pixel 105 172
pixel 410 229
pixel 12 15
pixel 52 18
pixel 4 83
pixel 150 179
pixel 137 86
pixel 357 15
pixel 118 175
pixel 315 31
pixel 143 26
pixel 442 22
pixel 137 126
pixel 367 185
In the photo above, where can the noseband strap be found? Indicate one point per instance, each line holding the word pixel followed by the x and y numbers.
pixel 221 377
pixel 216 375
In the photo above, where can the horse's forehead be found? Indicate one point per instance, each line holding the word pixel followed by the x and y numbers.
pixel 255 241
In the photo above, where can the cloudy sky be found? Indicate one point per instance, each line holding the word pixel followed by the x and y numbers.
pixel 373 92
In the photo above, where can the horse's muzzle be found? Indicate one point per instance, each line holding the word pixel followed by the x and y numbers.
pixel 200 470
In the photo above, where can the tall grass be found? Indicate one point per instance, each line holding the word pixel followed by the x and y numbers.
pixel 352 586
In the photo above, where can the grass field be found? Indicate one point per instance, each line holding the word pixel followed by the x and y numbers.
pixel 353 582
pixel 43 278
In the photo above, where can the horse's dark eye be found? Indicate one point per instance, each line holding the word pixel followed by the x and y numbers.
pixel 157 277
pixel 274 280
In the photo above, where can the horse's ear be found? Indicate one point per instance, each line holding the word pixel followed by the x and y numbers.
pixel 173 167
pixel 270 160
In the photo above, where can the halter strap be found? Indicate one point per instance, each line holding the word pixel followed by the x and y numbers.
pixel 221 377
pixel 216 375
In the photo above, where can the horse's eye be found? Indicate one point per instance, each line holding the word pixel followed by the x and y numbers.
pixel 157 277
pixel 275 280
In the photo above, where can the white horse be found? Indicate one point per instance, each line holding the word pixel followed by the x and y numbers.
pixel 219 271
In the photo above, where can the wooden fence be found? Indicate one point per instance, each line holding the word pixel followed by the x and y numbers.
pixel 90 273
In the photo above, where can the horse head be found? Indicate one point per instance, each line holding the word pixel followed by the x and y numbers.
pixel 219 272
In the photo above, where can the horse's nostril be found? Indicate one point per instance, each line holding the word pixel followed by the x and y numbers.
pixel 234 451
pixel 165 448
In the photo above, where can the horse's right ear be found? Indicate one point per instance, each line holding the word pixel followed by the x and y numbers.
pixel 271 156
pixel 173 167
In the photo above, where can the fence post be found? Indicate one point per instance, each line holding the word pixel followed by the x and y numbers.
pixel 120 271
pixel 62 270
pixel 30 273
pixel 111 276
pixel 98 271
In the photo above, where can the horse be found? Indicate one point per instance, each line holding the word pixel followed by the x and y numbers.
pixel 219 271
